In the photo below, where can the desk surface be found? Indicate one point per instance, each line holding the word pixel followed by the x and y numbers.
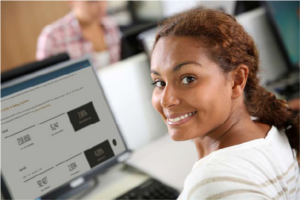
pixel 116 182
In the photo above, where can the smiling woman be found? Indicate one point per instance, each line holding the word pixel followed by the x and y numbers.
pixel 204 66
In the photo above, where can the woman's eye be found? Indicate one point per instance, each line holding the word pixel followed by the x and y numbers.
pixel 187 80
pixel 159 84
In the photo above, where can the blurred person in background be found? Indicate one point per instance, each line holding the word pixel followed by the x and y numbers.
pixel 85 30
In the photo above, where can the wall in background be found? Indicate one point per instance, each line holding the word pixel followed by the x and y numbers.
pixel 21 24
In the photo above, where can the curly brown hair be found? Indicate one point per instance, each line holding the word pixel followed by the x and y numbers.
pixel 229 45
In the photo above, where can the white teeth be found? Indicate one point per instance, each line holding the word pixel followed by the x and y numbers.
pixel 181 117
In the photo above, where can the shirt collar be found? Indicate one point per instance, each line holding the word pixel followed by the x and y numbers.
pixel 73 21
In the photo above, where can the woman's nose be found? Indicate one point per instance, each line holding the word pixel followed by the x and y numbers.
pixel 169 98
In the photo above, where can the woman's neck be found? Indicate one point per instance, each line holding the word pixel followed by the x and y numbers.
pixel 85 22
pixel 237 129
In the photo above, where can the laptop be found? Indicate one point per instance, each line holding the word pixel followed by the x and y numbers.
pixel 57 131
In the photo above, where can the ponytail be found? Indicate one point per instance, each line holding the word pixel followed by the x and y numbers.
pixel 269 110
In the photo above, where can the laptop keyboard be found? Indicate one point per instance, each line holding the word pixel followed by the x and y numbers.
pixel 151 189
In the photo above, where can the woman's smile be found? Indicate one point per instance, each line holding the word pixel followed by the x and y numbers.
pixel 179 119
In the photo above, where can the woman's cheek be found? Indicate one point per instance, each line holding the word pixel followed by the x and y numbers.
pixel 156 102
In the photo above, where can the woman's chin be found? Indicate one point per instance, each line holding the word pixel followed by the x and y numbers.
pixel 176 136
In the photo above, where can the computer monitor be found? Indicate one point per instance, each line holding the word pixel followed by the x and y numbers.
pixel 130 43
pixel 33 66
pixel 147 38
pixel 57 131
pixel 284 20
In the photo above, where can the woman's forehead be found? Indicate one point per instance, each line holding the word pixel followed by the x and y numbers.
pixel 174 50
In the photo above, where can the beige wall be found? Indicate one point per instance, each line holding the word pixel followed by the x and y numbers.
pixel 21 24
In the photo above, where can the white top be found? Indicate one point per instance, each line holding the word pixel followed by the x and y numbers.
pixel 101 59
pixel 258 169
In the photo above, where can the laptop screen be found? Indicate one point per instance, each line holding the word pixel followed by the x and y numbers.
pixel 56 126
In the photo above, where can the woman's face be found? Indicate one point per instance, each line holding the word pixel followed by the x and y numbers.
pixel 89 10
pixel 191 93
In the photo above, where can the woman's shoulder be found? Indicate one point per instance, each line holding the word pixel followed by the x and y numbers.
pixel 67 22
pixel 216 179
pixel 272 152
pixel 233 161
pixel 111 27
pixel 248 170
pixel 109 21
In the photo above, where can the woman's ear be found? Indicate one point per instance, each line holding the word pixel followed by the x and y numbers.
pixel 239 79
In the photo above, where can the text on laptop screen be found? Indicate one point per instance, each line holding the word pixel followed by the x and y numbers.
pixel 55 127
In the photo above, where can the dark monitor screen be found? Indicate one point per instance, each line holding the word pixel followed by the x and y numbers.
pixel 284 18
pixel 33 66
pixel 56 127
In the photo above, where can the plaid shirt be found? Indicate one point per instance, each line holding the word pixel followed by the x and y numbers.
pixel 65 35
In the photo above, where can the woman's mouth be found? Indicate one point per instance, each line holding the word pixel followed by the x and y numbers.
pixel 181 119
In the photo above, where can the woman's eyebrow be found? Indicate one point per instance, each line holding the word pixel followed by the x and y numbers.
pixel 154 72
pixel 178 67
